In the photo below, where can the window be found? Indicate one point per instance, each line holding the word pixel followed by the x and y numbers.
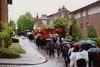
pixel 81 25
pixel 87 19
pixel 55 17
pixel 86 12
pixel 51 22
pixel 44 22
pixel 99 10
pixel 62 15
pixel 81 14
pixel 70 16
pixel 87 25
pixel 38 27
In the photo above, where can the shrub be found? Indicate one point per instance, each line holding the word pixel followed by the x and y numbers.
pixel 15 40
pixel 19 50
pixel 69 37
pixel 7 39
pixel 8 53
pixel 92 32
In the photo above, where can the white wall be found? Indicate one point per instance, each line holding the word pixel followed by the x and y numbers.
pixel 90 12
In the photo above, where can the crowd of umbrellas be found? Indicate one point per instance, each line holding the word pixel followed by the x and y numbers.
pixel 90 44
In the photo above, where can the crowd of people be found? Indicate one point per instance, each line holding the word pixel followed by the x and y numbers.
pixel 66 50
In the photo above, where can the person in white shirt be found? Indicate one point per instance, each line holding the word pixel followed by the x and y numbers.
pixel 86 55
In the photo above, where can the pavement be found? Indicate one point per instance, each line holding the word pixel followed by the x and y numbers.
pixel 32 56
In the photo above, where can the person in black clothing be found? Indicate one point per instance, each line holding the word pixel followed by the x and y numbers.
pixel 51 48
pixel 38 41
pixel 65 53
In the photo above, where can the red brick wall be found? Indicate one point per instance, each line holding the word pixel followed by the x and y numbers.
pixel 94 20
pixel 4 11
pixel 3 16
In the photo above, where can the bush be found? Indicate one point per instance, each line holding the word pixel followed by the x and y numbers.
pixel 7 39
pixel 15 40
pixel 8 53
pixel 19 50
pixel 69 37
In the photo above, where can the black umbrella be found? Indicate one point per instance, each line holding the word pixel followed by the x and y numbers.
pixel 94 50
pixel 82 42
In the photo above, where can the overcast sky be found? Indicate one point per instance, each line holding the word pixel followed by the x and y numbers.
pixel 20 7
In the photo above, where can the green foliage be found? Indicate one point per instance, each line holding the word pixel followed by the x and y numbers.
pixel 47 27
pixel 12 25
pixel 59 22
pixel 8 53
pixel 7 39
pixel 92 32
pixel 15 40
pixel 25 22
pixel 19 50
pixel 68 37
pixel 6 35
pixel 75 29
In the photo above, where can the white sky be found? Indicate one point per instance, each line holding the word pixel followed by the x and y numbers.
pixel 20 7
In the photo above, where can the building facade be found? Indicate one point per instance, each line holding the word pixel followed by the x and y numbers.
pixel 62 13
pixel 88 15
pixel 41 21
pixel 4 14
pixel 48 20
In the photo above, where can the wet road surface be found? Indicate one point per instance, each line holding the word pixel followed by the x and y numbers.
pixel 52 61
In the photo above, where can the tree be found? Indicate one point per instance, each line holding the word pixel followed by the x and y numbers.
pixel 12 25
pixel 91 32
pixel 75 29
pixel 25 22
pixel 62 23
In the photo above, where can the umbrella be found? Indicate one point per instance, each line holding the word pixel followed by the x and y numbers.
pixel 48 39
pixel 66 40
pixel 77 55
pixel 82 43
pixel 93 43
pixel 94 50
pixel 38 34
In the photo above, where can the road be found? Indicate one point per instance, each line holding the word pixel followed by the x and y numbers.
pixel 52 61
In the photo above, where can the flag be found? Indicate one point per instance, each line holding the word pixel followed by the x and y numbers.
pixel 60 29
pixel 52 31
pixel 44 33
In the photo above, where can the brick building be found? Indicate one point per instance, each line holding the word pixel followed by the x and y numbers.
pixel 88 15
pixel 85 16
pixel 4 14
pixel 43 20
pixel 48 20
